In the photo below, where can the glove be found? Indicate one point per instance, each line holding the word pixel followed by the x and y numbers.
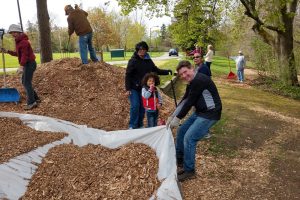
pixel 175 122
pixel 170 72
pixel 169 121
pixel 20 70
pixel 3 50
pixel 152 87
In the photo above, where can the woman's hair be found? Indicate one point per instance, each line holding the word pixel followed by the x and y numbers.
pixel 151 75
pixel 210 47
pixel 141 45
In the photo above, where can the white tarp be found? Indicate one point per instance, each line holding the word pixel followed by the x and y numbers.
pixel 17 172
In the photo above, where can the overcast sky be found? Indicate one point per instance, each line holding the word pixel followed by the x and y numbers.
pixel 9 12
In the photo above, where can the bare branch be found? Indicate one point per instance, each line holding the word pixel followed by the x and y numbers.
pixel 250 12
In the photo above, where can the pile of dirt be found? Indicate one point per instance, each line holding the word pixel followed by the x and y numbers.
pixel 17 138
pixel 95 172
pixel 92 94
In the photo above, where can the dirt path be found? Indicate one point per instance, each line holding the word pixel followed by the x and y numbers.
pixel 255 151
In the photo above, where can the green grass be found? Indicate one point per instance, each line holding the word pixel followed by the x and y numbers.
pixel 12 61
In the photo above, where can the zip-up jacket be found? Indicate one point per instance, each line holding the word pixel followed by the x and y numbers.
pixel 201 93
pixel 78 22
pixel 151 99
pixel 23 51
pixel 136 70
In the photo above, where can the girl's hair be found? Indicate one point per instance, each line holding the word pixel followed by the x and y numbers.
pixel 210 47
pixel 151 75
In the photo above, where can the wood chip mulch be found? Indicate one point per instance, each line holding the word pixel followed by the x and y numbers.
pixel 92 94
pixel 17 138
pixel 95 172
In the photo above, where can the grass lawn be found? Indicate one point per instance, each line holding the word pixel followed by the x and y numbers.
pixel 12 61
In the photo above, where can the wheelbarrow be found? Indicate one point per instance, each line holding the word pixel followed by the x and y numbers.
pixel 231 75
pixel 7 94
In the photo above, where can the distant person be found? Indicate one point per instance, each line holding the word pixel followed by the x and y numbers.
pixel 78 22
pixel 197 49
pixel 200 66
pixel 209 56
pixel 138 66
pixel 201 93
pixel 240 64
pixel 152 99
pixel 27 63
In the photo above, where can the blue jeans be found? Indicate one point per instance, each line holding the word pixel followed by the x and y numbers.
pixel 240 73
pixel 152 116
pixel 27 76
pixel 188 134
pixel 137 110
pixel 85 43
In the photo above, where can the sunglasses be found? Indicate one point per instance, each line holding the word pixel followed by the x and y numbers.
pixel 196 57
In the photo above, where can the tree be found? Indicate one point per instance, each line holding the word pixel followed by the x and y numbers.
pixel 44 31
pixel 274 24
pixel 103 32
pixel 194 21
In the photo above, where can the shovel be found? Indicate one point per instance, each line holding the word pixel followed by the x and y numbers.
pixel 173 92
pixel 7 94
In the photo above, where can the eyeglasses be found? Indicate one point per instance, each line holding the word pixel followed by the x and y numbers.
pixel 196 57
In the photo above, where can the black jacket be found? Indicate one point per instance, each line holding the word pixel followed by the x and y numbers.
pixel 136 70
pixel 202 93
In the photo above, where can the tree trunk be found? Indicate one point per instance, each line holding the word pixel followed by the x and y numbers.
pixel 287 68
pixel 44 30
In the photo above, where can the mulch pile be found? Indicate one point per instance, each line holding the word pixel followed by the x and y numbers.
pixel 17 138
pixel 95 172
pixel 92 94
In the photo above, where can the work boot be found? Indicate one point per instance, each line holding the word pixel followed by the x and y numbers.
pixel 186 176
pixel 30 106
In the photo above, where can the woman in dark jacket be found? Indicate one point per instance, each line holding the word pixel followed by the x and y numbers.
pixel 139 65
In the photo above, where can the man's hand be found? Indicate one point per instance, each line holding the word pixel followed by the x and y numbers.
pixel 175 122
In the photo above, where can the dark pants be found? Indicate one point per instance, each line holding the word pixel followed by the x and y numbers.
pixel 152 116
pixel 208 64
pixel 137 110
pixel 27 76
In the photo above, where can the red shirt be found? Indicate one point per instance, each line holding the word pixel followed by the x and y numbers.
pixel 23 51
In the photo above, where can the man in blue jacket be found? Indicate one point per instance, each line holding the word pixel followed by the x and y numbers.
pixel 139 65
pixel 201 93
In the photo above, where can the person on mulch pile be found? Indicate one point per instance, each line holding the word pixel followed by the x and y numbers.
pixel 27 63
pixel 138 66
pixel 152 99
pixel 78 22
pixel 202 93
